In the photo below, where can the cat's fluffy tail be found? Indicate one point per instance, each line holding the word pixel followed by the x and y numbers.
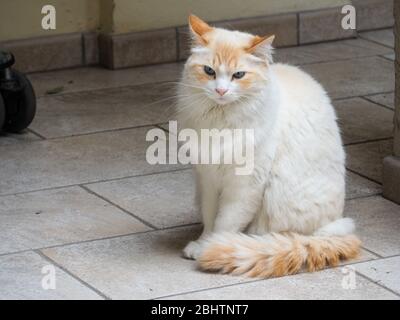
pixel 275 254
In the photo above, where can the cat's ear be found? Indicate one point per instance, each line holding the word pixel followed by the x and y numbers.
pixel 261 47
pixel 198 29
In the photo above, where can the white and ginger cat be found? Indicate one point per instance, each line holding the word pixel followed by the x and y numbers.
pixel 288 214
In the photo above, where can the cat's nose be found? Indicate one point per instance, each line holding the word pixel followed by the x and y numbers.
pixel 221 91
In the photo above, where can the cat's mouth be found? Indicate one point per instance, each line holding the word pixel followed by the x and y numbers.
pixel 223 100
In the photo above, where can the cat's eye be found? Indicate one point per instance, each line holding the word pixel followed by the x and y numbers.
pixel 238 75
pixel 210 71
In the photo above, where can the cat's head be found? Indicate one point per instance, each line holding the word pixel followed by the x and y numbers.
pixel 227 65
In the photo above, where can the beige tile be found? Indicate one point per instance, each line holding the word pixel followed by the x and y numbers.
pixel 357 186
pixel 140 266
pixel 76 160
pixel 108 109
pixel 361 120
pixel 164 200
pixel 329 51
pixel 93 78
pixel 59 216
pixel 323 285
pixel 385 37
pixel 284 27
pixel 322 25
pixel 366 158
pixel 21 279
pixel 138 48
pixel 377 224
pixel 9 139
pixel 354 77
pixel 46 53
pixel 383 271
pixel 374 14
pixel 386 99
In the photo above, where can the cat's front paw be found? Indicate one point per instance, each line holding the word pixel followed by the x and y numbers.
pixel 193 250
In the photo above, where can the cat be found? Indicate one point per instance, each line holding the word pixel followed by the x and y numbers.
pixel 287 214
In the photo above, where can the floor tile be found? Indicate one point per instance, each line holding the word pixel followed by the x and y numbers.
pixel 8 139
pixel 35 220
pixel 164 200
pixel 377 223
pixel 140 266
pixel 329 51
pixel 93 78
pixel 132 262
pixel 383 271
pixel 357 186
pixel 386 99
pixel 366 158
pixel 356 77
pixel 385 36
pixel 76 160
pixel 21 279
pixel 323 285
pixel 361 120
pixel 108 109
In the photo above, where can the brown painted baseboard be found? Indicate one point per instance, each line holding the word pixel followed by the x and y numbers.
pixel 116 51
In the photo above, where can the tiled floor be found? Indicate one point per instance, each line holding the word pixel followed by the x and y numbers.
pixel 76 192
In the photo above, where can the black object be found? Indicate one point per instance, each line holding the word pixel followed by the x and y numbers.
pixel 17 98
pixel 2 113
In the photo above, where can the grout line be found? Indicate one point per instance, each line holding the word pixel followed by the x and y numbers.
pixel 349 262
pixel 124 86
pixel 364 196
pixel 135 176
pixel 374 94
pixel 382 56
pixel 213 288
pixel 118 236
pixel 367 141
pixel 102 131
pixel 60 138
pixel 15 252
pixel 377 283
pixel 372 252
pixel 87 285
pixel 36 134
pixel 162 128
pixel 363 176
pixel 361 36
pixel 360 96
pixel 92 182
pixel 377 103
pixel 148 224
pixel 301 65
pixel 62 245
